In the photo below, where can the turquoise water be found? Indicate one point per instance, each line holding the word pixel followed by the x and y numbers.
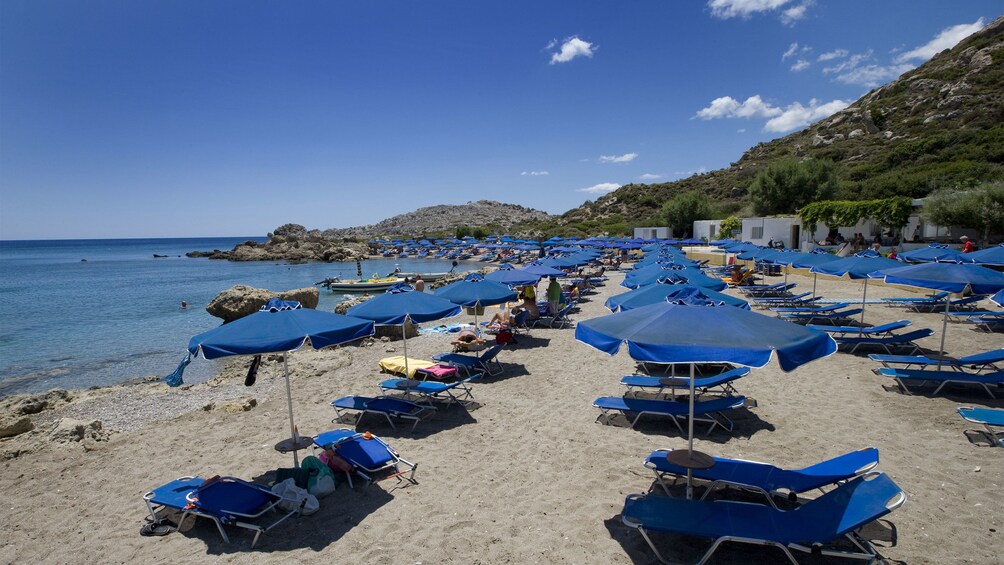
pixel 69 323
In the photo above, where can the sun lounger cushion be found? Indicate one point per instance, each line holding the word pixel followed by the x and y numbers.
pixel 904 376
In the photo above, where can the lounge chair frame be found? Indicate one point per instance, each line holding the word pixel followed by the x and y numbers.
pixel 428 391
pixel 320 442
pixel 865 550
pixel 361 405
pixel 661 475
pixel 994 436
pixel 944 378
pixel 471 364
pixel 220 518
pixel 710 411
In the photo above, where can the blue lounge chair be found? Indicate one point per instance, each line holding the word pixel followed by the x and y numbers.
pixel 829 315
pixel 560 319
pixel 905 340
pixel 884 329
pixel 796 300
pixel 385 406
pixel 932 300
pixel 367 456
pixel 835 515
pixel 988 322
pixel 776 289
pixel 432 390
pixel 979 362
pixel 703 385
pixel 227 501
pixel 943 378
pixel 471 364
pixel 811 309
pixel 767 479
pixel 711 411
pixel 990 418
pixel 957 305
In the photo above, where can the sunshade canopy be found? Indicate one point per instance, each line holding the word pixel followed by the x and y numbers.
pixel 401 302
pixel 279 331
pixel 675 333
pixel 474 290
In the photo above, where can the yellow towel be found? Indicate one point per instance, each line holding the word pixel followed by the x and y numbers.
pixel 395 365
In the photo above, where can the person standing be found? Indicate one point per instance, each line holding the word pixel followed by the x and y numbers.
pixel 967 246
pixel 553 296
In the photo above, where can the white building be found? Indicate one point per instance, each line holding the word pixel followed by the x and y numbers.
pixel 652 233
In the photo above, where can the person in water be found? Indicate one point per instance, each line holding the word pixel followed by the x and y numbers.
pixel 184 305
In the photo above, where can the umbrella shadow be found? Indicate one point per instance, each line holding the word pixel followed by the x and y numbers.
pixel 340 511
pixel 509 370
pixel 530 342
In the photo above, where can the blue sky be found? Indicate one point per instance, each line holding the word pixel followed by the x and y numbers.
pixel 181 118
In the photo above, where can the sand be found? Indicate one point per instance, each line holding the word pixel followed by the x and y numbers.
pixel 525 476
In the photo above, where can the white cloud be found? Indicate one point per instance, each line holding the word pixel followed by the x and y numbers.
pixel 699 171
pixel 946 39
pixel 795 13
pixel 792 49
pixel 873 75
pixel 571 48
pixel 601 188
pixel 534 173
pixel 800 65
pixel 835 54
pixel 625 158
pixel 649 176
pixel 728 107
pixel 849 63
pixel 798 116
pixel 726 9
pixel 741 130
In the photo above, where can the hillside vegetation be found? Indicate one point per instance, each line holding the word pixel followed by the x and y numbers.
pixel 940 125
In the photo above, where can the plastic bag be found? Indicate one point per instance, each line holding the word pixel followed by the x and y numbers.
pixel 295 498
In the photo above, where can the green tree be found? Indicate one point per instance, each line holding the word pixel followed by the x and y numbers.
pixel 729 225
pixel 785 186
pixel 684 209
pixel 981 208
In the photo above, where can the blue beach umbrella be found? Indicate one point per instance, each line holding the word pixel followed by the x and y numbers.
pixel 934 252
pixel 401 304
pixel 673 333
pixel 279 330
pixel 474 291
pixel 537 268
pixel 989 256
pixel 509 276
pixel 951 277
pixel 998 298
pixel 653 293
pixel 857 267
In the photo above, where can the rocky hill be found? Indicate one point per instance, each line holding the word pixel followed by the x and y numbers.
pixel 941 124
pixel 444 219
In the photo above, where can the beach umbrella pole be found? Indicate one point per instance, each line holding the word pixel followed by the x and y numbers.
pixel 944 328
pixel 814 275
pixel 690 436
pixel 864 297
pixel 404 342
pixel 289 403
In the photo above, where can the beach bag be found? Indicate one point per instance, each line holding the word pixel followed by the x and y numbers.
pixel 335 462
pixel 504 337
pixel 322 480
pixel 295 498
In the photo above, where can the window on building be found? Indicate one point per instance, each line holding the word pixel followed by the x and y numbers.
pixel 714 229
pixel 757 233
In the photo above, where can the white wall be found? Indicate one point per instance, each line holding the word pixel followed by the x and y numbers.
pixel 709 229
pixel 649 233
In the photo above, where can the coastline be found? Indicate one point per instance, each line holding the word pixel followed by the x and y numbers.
pixel 526 475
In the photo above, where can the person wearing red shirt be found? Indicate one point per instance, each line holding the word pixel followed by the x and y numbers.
pixel 967 246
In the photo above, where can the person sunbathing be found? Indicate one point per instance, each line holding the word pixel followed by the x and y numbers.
pixel 500 320
pixel 467 341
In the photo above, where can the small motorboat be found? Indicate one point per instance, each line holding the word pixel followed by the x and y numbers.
pixel 336 284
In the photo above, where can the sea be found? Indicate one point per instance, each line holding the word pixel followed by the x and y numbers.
pixel 95 312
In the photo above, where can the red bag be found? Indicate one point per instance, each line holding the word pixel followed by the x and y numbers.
pixel 504 337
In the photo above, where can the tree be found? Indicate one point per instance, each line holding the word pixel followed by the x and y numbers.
pixel 785 186
pixel 684 209
pixel 729 225
pixel 981 208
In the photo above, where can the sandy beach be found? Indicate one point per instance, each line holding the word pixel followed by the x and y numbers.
pixel 526 475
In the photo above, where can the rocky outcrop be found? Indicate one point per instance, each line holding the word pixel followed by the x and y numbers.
pixel 447 218
pixel 292 243
pixel 240 300
pixel 68 430
pixel 13 426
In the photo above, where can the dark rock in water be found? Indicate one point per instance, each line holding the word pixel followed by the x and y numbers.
pixel 241 300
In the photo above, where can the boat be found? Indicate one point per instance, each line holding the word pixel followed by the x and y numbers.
pixel 427 277
pixel 336 284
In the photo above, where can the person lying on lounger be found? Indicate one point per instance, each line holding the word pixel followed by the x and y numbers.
pixel 467 341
